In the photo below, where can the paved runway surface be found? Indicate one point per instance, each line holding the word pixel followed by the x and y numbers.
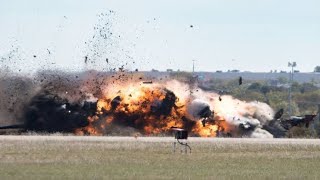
pixel 159 139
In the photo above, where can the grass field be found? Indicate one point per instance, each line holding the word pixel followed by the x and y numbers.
pixel 68 157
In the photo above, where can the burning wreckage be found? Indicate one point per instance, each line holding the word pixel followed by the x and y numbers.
pixel 151 108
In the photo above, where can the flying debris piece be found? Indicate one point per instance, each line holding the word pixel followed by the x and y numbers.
pixel 107 60
pixel 147 82
pixel 220 99
pixel 240 80
pixel 279 114
pixel 34 56
pixel 121 69
pixel 191 26
pixel 48 51
pixel 115 102
pixel 86 59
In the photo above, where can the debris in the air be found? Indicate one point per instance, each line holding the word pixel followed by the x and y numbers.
pixel 147 82
pixel 240 80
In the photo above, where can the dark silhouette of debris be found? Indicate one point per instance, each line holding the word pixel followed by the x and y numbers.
pixel 147 82
pixel 240 80
pixel 115 102
pixel 278 114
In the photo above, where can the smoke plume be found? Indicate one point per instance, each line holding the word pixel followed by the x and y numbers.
pixel 100 103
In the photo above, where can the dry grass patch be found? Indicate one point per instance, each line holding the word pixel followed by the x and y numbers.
pixel 54 159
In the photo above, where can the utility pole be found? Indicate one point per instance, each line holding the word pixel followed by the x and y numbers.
pixel 292 65
pixel 193 66
pixel 319 112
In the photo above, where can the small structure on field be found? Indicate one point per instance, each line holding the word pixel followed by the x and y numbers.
pixel 181 136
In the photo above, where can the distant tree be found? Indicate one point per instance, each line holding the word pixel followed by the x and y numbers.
pixel 308 87
pixel 283 80
pixel 256 86
pixel 265 89
pixel 295 87
pixel 317 69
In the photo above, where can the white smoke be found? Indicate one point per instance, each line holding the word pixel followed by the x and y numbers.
pixel 244 119
pixel 260 133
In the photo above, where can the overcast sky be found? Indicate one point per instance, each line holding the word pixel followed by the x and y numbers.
pixel 250 35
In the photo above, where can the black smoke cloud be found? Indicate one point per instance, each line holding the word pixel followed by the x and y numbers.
pixel 57 101
pixel 50 101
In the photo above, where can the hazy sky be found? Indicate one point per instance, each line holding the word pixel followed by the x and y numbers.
pixel 250 35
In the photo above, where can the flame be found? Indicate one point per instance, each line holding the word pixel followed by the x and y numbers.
pixel 138 100
pixel 153 109
pixel 206 131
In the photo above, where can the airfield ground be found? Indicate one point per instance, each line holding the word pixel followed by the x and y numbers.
pixel 75 157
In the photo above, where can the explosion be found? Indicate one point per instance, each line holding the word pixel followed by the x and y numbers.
pixel 154 108
pixel 96 103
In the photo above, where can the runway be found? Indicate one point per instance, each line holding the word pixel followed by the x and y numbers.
pixel 158 139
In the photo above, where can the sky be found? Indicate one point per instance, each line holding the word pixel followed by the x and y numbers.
pixel 249 35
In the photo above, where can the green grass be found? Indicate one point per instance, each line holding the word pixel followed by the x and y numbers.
pixel 51 159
